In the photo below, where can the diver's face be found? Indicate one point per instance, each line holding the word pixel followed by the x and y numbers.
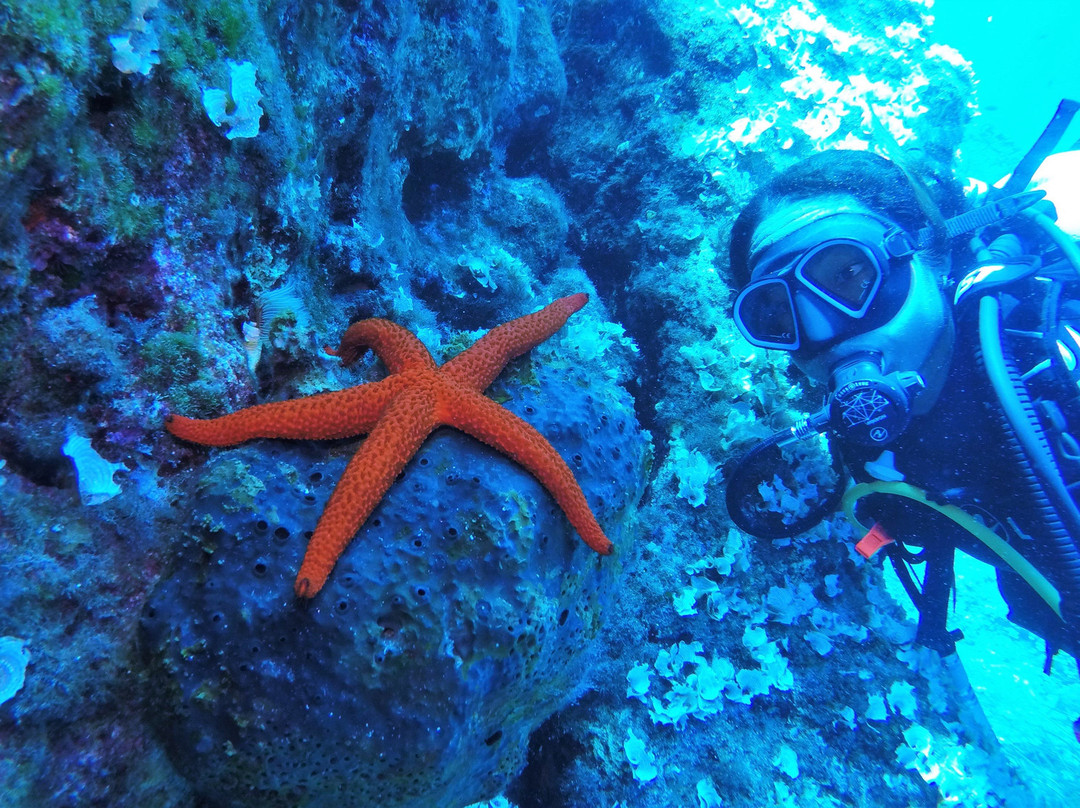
pixel 908 321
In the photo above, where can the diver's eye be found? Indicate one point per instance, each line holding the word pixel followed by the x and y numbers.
pixel 858 275
pixel 842 272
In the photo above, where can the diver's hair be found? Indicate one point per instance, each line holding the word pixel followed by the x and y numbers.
pixel 876 182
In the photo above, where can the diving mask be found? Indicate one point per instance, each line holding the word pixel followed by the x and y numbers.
pixel 829 279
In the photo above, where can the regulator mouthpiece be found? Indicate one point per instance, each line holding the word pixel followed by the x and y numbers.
pixel 868 406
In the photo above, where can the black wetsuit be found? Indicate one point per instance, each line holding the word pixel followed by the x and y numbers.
pixel 962 452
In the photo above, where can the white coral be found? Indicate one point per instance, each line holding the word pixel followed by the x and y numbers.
pixel 13 660
pixel 94 472
pixel 239 107
pixel 136 50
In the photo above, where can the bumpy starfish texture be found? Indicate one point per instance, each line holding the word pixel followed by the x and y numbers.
pixel 397 414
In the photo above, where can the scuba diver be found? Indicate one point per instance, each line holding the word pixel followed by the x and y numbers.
pixel 950 351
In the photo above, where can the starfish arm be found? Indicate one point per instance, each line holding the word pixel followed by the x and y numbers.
pixel 502 430
pixel 338 414
pixel 404 425
pixel 478 366
pixel 397 348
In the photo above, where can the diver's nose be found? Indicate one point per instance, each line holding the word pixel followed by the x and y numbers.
pixel 812 320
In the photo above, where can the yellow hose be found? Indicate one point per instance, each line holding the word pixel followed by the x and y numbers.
pixel 997 545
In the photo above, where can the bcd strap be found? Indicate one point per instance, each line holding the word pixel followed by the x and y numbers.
pixel 999 210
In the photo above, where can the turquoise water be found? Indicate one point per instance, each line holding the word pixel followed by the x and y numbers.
pixel 1025 59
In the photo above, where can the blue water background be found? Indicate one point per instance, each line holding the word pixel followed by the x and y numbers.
pixel 1026 57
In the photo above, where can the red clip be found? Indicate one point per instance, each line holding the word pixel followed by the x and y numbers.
pixel 874 540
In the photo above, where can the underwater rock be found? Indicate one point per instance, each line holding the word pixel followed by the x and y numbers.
pixel 460 617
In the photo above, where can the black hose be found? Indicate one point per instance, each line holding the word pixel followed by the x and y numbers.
pixel 1028 443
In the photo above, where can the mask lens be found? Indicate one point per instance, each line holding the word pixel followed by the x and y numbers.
pixel 846 274
pixel 765 313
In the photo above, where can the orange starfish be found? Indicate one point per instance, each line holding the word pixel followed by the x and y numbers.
pixel 398 413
